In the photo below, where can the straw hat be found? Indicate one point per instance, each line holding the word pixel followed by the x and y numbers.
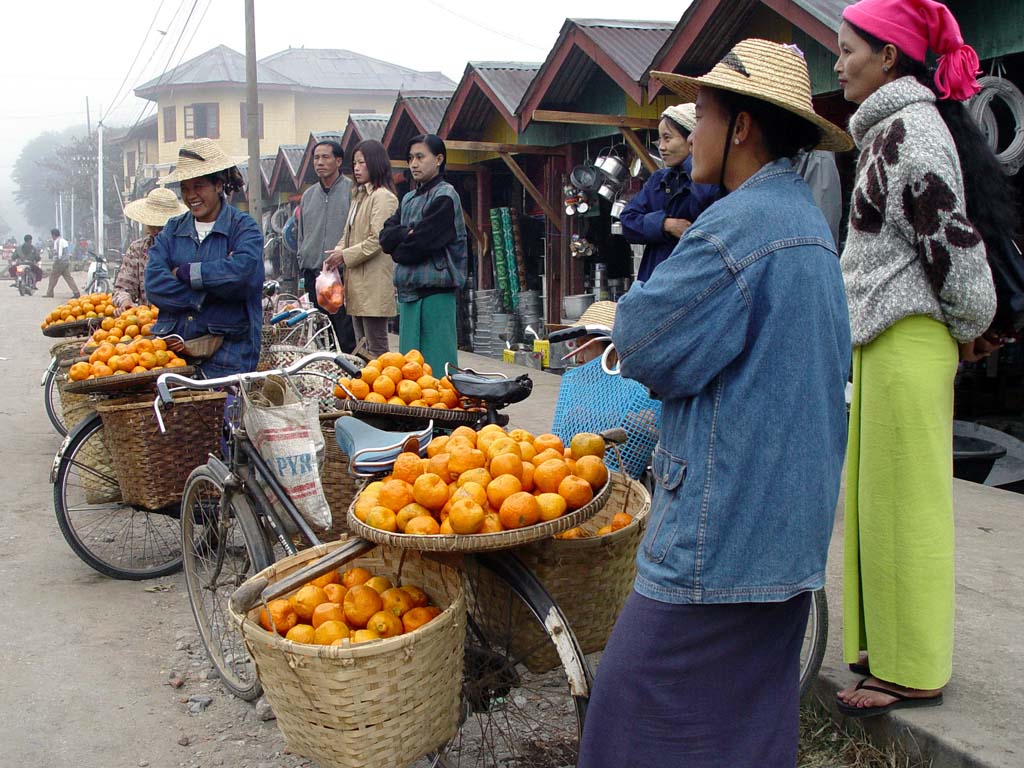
pixel 198 157
pixel 598 313
pixel 155 208
pixel 768 71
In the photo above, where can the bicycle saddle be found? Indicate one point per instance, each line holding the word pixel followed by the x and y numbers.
pixel 373 450
pixel 490 390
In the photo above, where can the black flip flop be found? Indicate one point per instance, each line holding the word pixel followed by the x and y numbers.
pixel 860 669
pixel 902 702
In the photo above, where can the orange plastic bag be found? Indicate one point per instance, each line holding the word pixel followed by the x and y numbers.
pixel 330 291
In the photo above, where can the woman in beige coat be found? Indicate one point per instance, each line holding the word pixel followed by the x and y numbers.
pixel 369 292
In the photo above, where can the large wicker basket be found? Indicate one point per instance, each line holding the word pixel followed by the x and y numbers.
pixel 74 407
pixel 152 467
pixel 381 704
pixel 340 487
pixel 588 578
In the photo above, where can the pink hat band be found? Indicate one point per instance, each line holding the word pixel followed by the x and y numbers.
pixel 915 26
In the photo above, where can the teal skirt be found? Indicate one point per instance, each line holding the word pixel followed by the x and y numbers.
pixel 429 325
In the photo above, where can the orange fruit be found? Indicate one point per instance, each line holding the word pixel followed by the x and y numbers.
pixel 416 356
pixel 412 370
pixel 604 530
pixel 394 373
pixel 301 633
pixel 552 506
pixel 100 335
pixel 548 475
pixel 364 636
pixel 477 475
pixel 437 445
pixel 519 510
pixel 417 617
pixel 330 631
pixel 107 323
pixel 528 470
pixel 369 375
pixel 419 597
pixel 409 391
pixel 380 583
pixel 620 520
pixel 397 601
pixel 446 527
pixel 586 444
pixel 438 465
pixel 407 467
pixel 359 389
pixel 423 525
pixel 500 488
pixel 306 600
pixel 426 381
pixel 466 516
pixel 384 386
pixel 472 491
pixel 465 432
pixel 504 445
pixel 99 370
pixel 592 469
pixel 382 518
pixel 365 503
pixel 79 371
pixel 491 524
pixel 430 491
pixel 283 614
pixel 546 455
pixel 526 450
pixel 464 459
pixel 395 494
pixel 548 440
pixel 445 383
pixel 506 464
pixel 159 345
pixel 331 577
pixel 354 576
pixel 335 593
pixel 430 395
pixel 576 491
pixel 375 397
pixel 573 533
pixel 327 612
pixel 440 406
pixel 396 400
pixel 391 360
pixel 407 513
pixel 360 604
pixel 139 369
pixel 104 352
pixel 385 624
pixel 522 435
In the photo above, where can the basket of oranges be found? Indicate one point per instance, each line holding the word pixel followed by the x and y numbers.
pixel 363 668
pixel 486 490
pixel 77 316
pixel 119 367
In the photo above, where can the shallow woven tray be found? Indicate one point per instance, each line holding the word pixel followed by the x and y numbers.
pixel 439 415
pixel 68 347
pixel 481 542
pixel 126 382
pixel 74 328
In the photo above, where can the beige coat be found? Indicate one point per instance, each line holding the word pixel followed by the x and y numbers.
pixel 369 290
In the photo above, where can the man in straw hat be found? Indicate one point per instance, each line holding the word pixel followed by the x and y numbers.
pixel 744 334
pixel 205 269
pixel 152 212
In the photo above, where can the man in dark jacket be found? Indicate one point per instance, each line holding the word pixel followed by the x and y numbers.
pixel 26 253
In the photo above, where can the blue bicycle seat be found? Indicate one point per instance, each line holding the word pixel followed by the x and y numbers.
pixel 373 450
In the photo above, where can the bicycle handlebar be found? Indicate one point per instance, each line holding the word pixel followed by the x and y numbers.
pixel 282 315
pixel 298 318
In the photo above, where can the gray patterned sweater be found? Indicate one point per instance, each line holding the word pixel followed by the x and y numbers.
pixel 910 248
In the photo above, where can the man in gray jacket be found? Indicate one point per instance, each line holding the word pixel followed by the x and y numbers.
pixel 321 224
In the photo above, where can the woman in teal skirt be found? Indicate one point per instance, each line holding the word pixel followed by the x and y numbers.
pixel 426 239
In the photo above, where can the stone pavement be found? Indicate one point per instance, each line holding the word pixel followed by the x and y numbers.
pixel 979 725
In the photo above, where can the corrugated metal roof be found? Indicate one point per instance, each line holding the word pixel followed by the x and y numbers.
pixel 508 79
pixel 343 70
pixel 293 154
pixel 630 44
pixel 828 12
pixel 218 65
pixel 426 109
pixel 267 163
pixel 370 126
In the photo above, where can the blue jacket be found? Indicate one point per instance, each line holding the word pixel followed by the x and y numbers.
pixel 669 193
pixel 225 289
pixel 744 333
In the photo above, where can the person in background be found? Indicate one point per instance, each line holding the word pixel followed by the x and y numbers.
pixel 819 170
pixel 426 239
pixel 369 273
pixel 61 266
pixel 704 660
pixel 324 213
pixel 919 284
pixel 152 212
pixel 26 253
pixel 660 213
pixel 205 269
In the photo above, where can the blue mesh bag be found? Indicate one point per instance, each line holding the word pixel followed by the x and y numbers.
pixel 590 400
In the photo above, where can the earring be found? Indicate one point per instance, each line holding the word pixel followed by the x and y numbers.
pixel 735 141
pixel 885 68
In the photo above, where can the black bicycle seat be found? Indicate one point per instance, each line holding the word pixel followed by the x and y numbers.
pixel 490 390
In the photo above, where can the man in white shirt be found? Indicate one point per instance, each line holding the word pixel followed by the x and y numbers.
pixel 61 265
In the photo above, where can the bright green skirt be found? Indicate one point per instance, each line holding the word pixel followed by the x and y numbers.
pixel 428 325
pixel 898 546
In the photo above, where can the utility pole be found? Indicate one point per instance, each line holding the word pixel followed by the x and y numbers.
pixel 99 190
pixel 72 232
pixel 60 211
pixel 252 117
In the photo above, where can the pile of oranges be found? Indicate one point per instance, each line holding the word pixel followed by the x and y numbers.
pixel 139 356
pixel 402 380
pixel 132 324
pixel 351 607
pixel 485 482
pixel 82 308
pixel 619 521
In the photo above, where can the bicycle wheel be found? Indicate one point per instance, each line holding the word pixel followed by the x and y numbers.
pixel 51 399
pixel 100 286
pixel 815 639
pixel 116 539
pixel 222 546
pixel 523 704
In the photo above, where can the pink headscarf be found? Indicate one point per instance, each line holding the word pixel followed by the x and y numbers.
pixel 915 26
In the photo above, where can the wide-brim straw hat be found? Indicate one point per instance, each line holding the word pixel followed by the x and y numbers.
pixel 198 157
pixel 598 313
pixel 768 71
pixel 156 208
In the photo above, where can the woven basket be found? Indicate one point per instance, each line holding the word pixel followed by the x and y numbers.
pixel 68 350
pixel 152 467
pixel 310 386
pixel 269 336
pixel 381 704
pixel 340 487
pixel 97 470
pixel 75 407
pixel 589 578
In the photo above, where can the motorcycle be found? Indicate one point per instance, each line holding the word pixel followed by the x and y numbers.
pixel 25 279
pixel 99 276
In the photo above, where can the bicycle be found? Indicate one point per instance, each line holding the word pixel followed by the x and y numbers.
pixel 51 397
pixel 230 531
pixel 608 402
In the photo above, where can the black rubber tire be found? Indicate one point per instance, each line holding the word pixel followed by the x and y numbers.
pixel 210 559
pixel 813 651
pixel 51 401
pixel 106 535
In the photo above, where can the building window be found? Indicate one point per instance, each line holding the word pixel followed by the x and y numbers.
pixel 130 166
pixel 170 124
pixel 244 121
pixel 202 121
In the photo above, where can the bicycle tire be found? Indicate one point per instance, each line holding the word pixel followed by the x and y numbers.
pixel 815 639
pixel 100 286
pixel 220 550
pixel 51 400
pixel 118 540
pixel 512 715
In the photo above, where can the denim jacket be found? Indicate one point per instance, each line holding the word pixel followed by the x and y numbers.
pixel 744 334
pixel 225 291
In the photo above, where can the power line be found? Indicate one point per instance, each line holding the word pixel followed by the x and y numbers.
pixel 115 102
pixel 493 31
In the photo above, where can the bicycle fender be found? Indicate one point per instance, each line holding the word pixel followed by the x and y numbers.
pixel 67 441
pixel 50 370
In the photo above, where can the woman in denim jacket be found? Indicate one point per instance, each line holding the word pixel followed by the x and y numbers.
pixel 744 334
pixel 205 269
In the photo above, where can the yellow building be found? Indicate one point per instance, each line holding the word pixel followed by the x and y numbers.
pixel 301 90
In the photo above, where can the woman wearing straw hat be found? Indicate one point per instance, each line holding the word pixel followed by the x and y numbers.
pixel 744 334
pixel 929 196
pixel 152 212
pixel 205 270
pixel 669 201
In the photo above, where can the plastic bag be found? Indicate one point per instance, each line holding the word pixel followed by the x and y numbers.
pixel 330 291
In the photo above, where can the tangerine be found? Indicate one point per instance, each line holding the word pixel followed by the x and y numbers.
pixel 500 488
pixel 391 360
pixel 382 518
pixel 431 491
pixel 466 516
pixel 552 506
pixel 327 612
pixel 407 467
pixel 528 471
pixel 375 397
pixel 384 386
pixel 331 577
pixel 364 636
pixel 395 494
pixel 301 633
pixel 385 624
pixel 479 475
pixel 620 520
pixel 437 445
pixel 423 525
pixel 591 468
pixel 409 391
pixel 79 371
pixel 472 491
pixel 335 593
pixel 417 617
pixel 397 601
pixel 519 510
pixel 419 597
pixel 360 604
pixel 394 373
pixel 412 370
pixel 506 464
pixel 283 614
pixel 369 375
pixel 491 524
pixel 306 600
pixel 576 491
pixel 548 475
pixel 548 440
pixel 354 576
pixel 330 632
pixel 464 459
pixel 546 455
pixel 379 583
pixel 416 356
pixel 467 433
pixel 408 512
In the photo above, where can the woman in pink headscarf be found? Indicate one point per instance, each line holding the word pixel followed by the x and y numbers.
pixel 929 197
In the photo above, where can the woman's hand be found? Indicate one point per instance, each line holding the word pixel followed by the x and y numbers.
pixel 676 227
pixel 333 258
pixel 979 349
pixel 174 344
pixel 122 306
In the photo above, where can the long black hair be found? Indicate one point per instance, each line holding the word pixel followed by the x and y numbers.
pixel 434 143
pixel 378 164
pixel 230 177
pixel 987 192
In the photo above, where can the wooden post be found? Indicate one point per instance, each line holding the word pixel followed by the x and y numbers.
pixel 484 272
pixel 588 118
pixel 528 185
pixel 639 149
